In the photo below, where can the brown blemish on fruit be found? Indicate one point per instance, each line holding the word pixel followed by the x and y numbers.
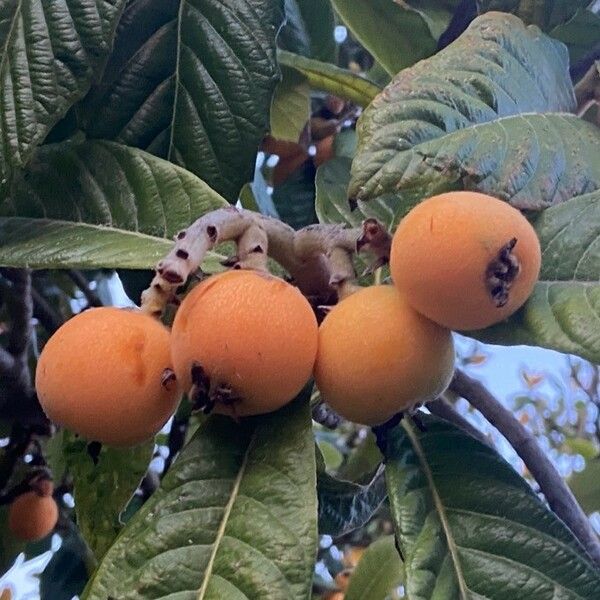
pixel 501 273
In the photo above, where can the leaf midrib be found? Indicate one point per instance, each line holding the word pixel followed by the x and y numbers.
pixel 440 509
pixel 225 520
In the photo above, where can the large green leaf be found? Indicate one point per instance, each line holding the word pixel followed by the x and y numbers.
pixel 345 505
pixel 563 311
pixel 397 34
pixel 444 124
pixel 586 486
pixel 309 29
pixel 332 180
pixel 378 572
pixel 50 52
pixel 103 487
pixel 570 21
pixel 581 33
pixel 54 244
pixel 98 204
pixel 235 517
pixel 470 527
pixel 332 79
pixel 192 81
pixel 291 106
pixel 533 161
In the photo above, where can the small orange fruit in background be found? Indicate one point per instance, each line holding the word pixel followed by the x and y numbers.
pixel 465 260
pixel 33 515
pixel 250 331
pixel 100 376
pixel 378 356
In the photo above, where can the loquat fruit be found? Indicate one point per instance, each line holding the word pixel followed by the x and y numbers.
pixel 102 375
pixel 465 260
pixel 377 356
pixel 253 335
pixel 33 515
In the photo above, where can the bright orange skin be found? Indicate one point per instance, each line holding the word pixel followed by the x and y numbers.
pixel 441 251
pixel 253 332
pixel 377 356
pixel 32 517
pixel 100 376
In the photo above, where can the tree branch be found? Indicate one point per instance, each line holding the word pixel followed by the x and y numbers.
pixel 17 396
pixel 16 294
pixel 443 409
pixel 559 496
pixel 46 315
pixel 83 284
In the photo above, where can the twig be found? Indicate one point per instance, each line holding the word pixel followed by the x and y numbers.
pixel 17 396
pixel 16 293
pixel 559 496
pixel 20 438
pixel 318 257
pixel 442 408
pixel 83 284
pixel 46 315
pixel 587 90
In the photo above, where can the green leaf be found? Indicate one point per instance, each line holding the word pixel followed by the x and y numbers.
pixel 470 527
pixel 294 199
pixel 54 244
pixel 50 52
pixel 192 81
pixel 445 124
pixel 102 489
pixel 364 459
pixel 291 106
pixel 397 34
pixel 309 29
pixel 562 313
pixel 546 14
pixel 331 79
pixel 378 572
pixel 344 505
pixel 99 204
pixel 332 180
pixel 331 455
pixel 588 449
pixel 580 34
pixel 235 517
pixel 586 486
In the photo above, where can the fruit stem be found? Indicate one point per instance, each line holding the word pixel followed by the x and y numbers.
pixel 318 257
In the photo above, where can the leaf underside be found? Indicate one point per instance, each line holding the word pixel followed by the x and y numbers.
pixel 470 527
pixel 464 119
pixel 234 518
pixel 99 204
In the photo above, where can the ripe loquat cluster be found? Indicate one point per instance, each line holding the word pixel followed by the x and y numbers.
pixel 245 342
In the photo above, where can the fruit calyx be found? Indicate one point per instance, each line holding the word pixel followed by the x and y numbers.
pixel 501 273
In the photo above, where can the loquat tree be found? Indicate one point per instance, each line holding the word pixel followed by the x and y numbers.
pixel 242 246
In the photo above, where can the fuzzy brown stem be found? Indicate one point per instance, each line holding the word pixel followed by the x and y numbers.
pixel 318 257
pixel 559 496
pixel 587 90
